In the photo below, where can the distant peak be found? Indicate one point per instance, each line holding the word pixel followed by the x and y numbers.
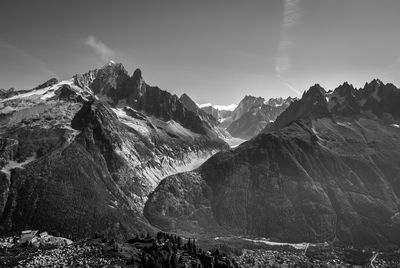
pixel 315 90
pixel 113 66
pixel 376 81
pixel 111 63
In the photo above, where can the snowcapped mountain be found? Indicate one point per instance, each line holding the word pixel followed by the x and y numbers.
pixel 252 122
pixel 81 155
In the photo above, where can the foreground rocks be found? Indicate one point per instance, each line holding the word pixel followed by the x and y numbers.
pixel 33 238
pixel 164 250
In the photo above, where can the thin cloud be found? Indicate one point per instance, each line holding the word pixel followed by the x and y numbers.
pixel 289 86
pixel 17 61
pixel 101 49
pixel 291 12
pixel 283 62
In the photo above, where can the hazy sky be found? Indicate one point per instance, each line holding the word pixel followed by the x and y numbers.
pixel 216 51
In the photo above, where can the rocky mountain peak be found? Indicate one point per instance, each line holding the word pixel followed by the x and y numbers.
pixel 313 104
pixel 315 99
pixel 245 105
pixel 114 69
pixel 137 74
pixel 345 89
pixel 344 100
pixel 139 82
pixel 189 103
pixel 249 98
pixel 375 82
pixel 316 91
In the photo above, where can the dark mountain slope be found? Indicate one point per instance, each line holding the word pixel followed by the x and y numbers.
pixel 320 176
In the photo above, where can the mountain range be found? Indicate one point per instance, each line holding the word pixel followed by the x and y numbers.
pixel 327 170
pixel 250 116
pixel 105 152
pixel 81 155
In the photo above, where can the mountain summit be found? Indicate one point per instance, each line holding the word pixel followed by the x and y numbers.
pixel 81 155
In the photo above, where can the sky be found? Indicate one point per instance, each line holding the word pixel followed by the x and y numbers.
pixel 215 51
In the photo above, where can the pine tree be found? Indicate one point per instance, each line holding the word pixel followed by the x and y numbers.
pixel 194 246
pixel 189 246
pixel 179 242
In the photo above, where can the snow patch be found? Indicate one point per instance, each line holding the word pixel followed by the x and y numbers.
pixel 45 93
pixel 234 142
pixel 395 125
pixel 137 125
pixel 13 164
pixel 301 246
pixel 8 110
pixel 229 107
pixel 177 129
pixel 343 124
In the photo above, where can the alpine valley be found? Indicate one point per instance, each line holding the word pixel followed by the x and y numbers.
pixel 103 158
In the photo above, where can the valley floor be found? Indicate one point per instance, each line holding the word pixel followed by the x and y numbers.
pixel 157 252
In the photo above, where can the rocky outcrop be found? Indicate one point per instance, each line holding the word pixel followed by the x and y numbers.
pixel 212 122
pixel 245 105
pixel 212 111
pixel 319 176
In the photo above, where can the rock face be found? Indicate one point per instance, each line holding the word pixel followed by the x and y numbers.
pixel 245 105
pixel 257 117
pixel 79 156
pixel 211 122
pixel 322 172
pixel 223 116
